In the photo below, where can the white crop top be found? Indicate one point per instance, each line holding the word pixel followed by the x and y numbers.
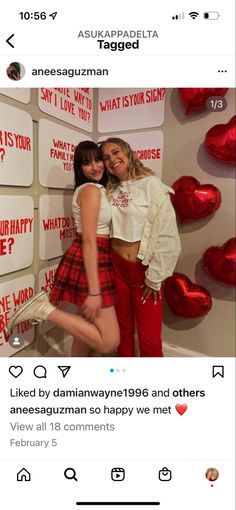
pixel 130 203
pixel 104 216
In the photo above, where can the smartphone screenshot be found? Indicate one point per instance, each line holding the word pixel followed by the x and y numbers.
pixel 117 255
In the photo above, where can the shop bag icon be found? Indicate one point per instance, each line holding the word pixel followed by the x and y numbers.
pixel 165 474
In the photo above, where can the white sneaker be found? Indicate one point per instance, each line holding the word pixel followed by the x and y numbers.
pixel 36 309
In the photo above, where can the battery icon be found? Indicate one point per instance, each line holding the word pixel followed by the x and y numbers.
pixel 212 15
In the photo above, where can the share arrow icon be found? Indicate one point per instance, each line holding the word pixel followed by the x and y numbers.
pixel 64 370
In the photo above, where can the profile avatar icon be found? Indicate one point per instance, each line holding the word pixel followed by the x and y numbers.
pixel 15 71
pixel 16 342
pixel 212 474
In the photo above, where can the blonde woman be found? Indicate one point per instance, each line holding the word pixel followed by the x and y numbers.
pixel 145 246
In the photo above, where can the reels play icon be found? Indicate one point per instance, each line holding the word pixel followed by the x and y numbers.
pixel 117 474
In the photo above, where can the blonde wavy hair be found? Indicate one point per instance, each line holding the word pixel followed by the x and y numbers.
pixel 136 169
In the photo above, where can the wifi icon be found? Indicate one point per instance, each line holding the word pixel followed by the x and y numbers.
pixel 193 14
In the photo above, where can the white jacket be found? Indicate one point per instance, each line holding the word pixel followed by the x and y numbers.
pixel 160 244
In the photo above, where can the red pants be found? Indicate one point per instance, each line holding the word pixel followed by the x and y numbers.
pixel 129 276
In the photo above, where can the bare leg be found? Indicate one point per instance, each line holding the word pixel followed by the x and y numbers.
pixel 102 336
pixel 79 349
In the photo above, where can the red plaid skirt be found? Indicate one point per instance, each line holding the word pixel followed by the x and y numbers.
pixel 70 282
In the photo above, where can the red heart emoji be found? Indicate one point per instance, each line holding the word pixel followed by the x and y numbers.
pixel 220 262
pixel 186 299
pixel 181 408
pixel 192 200
pixel 194 99
pixel 220 141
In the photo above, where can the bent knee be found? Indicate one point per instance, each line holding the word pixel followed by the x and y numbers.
pixel 110 343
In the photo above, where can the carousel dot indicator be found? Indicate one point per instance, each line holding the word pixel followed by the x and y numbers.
pixel 117 370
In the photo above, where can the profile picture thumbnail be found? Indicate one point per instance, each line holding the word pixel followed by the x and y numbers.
pixel 212 474
pixel 15 71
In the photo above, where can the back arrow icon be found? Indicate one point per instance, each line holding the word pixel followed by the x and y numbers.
pixel 8 40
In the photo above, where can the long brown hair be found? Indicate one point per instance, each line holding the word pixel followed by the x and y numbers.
pixel 136 169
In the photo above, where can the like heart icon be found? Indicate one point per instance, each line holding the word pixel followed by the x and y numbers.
pixel 15 370
pixel 181 408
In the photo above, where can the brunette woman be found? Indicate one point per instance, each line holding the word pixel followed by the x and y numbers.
pixel 84 276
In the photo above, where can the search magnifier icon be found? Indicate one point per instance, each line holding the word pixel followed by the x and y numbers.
pixel 70 474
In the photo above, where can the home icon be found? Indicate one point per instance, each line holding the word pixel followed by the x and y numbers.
pixel 23 475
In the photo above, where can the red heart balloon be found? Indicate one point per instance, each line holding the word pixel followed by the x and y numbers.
pixel 220 141
pixel 195 99
pixel 186 299
pixel 220 262
pixel 192 200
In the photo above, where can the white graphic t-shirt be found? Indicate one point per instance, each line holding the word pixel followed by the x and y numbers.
pixel 130 204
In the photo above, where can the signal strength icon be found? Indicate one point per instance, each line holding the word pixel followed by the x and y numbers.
pixel 193 14
pixel 179 16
